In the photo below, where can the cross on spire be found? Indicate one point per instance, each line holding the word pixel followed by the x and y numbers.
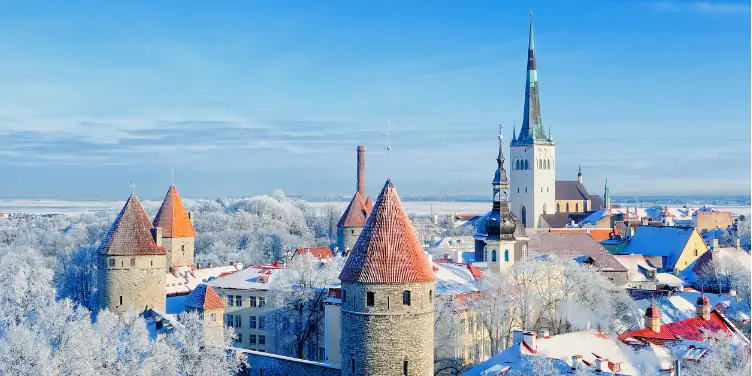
pixel 388 145
pixel 133 187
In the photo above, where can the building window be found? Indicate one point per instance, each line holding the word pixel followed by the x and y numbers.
pixel 406 297
pixel 251 301
pixel 430 296
pixel 240 338
pixel 506 255
pixel 567 207
pixel 518 189
pixel 261 302
pixel 493 255
pixel 121 300
pixel 558 207
pixel 238 300
pixel 252 322
pixel 262 340
pixel 344 296
pixel 369 299
pixel 404 368
pixel 695 252
pixel 548 164
pixel 182 248
pixel 527 164
pixel 252 339
pixel 261 322
pixel 213 317
pixel 352 365
pixel 112 262
pixel 152 262
pixel 525 189
pixel 230 321
pixel 230 300
pixel 576 207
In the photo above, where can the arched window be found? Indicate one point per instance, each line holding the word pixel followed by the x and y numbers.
pixel 527 165
pixel 576 207
pixel 404 367
pixel 506 255
pixel 567 207
pixel 558 207
pixel 523 216
pixel 493 256
pixel 430 296
pixel 517 164
pixel 518 191
pixel 548 164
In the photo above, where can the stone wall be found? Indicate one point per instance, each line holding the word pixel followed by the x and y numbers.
pixel 179 251
pixel 379 339
pixel 265 364
pixel 347 236
pixel 138 286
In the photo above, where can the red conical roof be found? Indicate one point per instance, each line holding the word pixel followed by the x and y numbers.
pixel 130 234
pixel 356 213
pixel 369 204
pixel 204 297
pixel 652 311
pixel 388 250
pixel 173 218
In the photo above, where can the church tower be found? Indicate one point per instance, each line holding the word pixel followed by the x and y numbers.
pixel 387 297
pixel 533 155
pixel 132 263
pixel 178 234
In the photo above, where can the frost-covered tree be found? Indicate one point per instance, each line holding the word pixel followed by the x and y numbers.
pixel 446 332
pixel 297 295
pixel 726 355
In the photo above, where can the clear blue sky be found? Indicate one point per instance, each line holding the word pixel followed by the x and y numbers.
pixel 242 97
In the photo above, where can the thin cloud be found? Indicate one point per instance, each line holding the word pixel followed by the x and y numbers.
pixel 700 7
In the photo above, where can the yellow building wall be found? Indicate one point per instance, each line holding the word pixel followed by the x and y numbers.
pixel 695 248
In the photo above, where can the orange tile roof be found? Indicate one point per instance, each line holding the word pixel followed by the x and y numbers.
pixel 356 213
pixel 388 250
pixel 599 234
pixel 369 204
pixel 130 234
pixel 321 253
pixel 204 297
pixel 173 218
pixel 689 329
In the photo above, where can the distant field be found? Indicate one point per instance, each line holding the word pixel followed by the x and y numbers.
pixel 418 208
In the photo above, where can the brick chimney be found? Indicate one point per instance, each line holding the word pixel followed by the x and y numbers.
pixel 362 170
pixel 156 234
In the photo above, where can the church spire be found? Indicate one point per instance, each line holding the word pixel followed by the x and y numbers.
pixel 501 221
pixel 607 195
pixel 532 126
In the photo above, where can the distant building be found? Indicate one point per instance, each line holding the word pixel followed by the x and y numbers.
pixel 668 248
pixel 132 261
pixel 354 217
pixel 320 252
pixel 204 301
pixel 705 220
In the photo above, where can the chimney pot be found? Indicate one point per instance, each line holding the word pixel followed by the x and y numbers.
pixel 600 363
pixel 530 340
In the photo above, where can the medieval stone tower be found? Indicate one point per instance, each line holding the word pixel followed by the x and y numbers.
pixel 178 234
pixel 132 263
pixel 387 297
pixel 204 301
pixel 533 156
pixel 354 217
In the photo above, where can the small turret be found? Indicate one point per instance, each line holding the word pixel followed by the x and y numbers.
pixel 702 307
pixel 579 174
pixel 653 318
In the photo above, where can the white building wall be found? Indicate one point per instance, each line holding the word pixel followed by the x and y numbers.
pixel 533 188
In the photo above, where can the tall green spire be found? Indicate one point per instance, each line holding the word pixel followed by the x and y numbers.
pixel 532 126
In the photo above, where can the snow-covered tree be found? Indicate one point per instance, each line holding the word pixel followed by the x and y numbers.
pixel 297 295
pixel 726 355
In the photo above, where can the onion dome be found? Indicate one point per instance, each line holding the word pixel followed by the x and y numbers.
pixel 703 300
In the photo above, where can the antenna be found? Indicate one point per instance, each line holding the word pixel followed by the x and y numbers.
pixel 133 187
pixel 172 176
pixel 388 149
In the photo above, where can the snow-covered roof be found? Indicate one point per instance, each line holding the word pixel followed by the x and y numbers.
pixel 454 242
pixel 588 344
pixel 669 279
pixel 453 279
pixel 664 241
pixel 740 257
pixel 256 277
pixel 679 305
pixel 656 213
pixel 633 264
pixel 184 279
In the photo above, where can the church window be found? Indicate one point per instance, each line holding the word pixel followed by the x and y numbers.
pixel 547 190
pixel 695 252
pixel 541 189
pixel 133 262
pixel 548 164
pixel 152 262
pixel 525 189
pixel 112 262
pixel 506 255
pixel 518 189
pixel 406 297
pixel 370 299
pixel 527 165
pixel 493 255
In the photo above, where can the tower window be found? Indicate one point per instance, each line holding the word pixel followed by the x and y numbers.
pixel 548 164
pixel 493 256
pixel 518 189
pixel 182 248
pixel 430 296
pixel 121 300
pixel 506 255
pixel 133 262
pixel 352 365
pixel 576 207
pixel 369 299
pixel 558 207
pixel 344 296
pixel 404 368
pixel 112 262
pixel 525 189
pixel 352 232
pixel 567 207
pixel 406 297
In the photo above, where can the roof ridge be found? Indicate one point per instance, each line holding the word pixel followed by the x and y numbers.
pixel 174 223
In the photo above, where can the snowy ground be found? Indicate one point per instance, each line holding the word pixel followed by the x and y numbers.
pixel 418 208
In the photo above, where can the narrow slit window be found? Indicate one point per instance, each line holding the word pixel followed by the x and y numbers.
pixel 369 299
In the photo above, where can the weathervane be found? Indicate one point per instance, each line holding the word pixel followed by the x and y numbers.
pixel 388 149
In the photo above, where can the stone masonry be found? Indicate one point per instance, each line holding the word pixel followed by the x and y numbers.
pixel 180 251
pixel 136 282
pixel 383 338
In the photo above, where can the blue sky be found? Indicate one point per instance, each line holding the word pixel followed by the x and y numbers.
pixel 242 97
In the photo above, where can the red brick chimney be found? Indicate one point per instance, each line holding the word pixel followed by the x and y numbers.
pixel 362 170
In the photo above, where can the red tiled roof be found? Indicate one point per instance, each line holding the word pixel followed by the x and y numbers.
pixel 204 297
pixel 477 274
pixel 321 253
pixel 653 312
pixel 689 329
pixel 356 213
pixel 130 234
pixel 388 250
pixel 369 204
pixel 173 218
